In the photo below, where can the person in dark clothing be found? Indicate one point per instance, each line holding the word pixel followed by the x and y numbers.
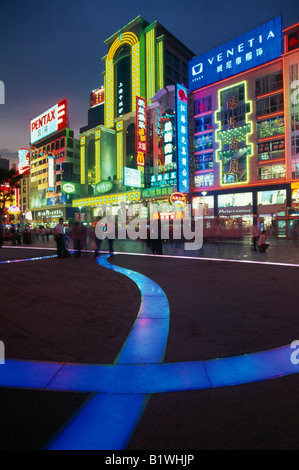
pixel 76 236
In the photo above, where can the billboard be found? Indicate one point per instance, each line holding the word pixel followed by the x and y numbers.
pixel 52 120
pixel 249 50
pixel 24 161
pixel 181 114
pixel 132 177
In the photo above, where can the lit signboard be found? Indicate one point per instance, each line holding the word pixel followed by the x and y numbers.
pixel 141 130
pixel 103 187
pixel 51 172
pixel 24 161
pixel 69 188
pixel 251 49
pixel 97 97
pixel 132 177
pixel 177 199
pixel 182 138
pixel 52 120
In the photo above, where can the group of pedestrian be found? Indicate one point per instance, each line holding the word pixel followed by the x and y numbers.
pixel 259 238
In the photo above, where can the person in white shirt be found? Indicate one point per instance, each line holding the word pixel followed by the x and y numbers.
pixel 59 238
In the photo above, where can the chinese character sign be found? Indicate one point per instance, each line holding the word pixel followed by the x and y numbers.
pixel 182 139
pixel 254 48
pixel 141 145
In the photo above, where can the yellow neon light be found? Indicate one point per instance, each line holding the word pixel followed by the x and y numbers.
pixel 249 132
pixel 82 160
pixel 150 64
pixel 98 159
pixel 120 153
pixel 132 40
pixel 111 199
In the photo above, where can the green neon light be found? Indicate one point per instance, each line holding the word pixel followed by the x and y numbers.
pixel 241 134
pixel 82 162
pixel 150 63
pixel 119 143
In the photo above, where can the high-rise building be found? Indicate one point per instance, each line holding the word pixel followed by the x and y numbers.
pixel 246 127
pixel 54 166
pixel 116 160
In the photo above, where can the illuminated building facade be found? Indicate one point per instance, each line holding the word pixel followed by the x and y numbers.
pixel 142 59
pixel 54 163
pixel 246 125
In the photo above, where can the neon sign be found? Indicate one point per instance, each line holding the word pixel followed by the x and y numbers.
pixel 103 187
pixel 141 146
pixel 182 138
pixel 177 199
pixel 51 161
pixel 24 161
pixel 52 120
pixel 132 177
pixel 234 130
pixel 251 49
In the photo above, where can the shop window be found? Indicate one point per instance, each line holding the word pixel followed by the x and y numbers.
pixel 295 145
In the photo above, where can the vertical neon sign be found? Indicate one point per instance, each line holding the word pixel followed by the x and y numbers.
pixel 182 138
pixel 141 130
pixel 234 151
pixel 51 160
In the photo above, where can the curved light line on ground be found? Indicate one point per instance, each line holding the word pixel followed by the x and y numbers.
pixel 121 390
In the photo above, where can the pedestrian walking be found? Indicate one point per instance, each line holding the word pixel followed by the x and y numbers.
pixel 255 235
pixel 13 235
pixel 47 233
pixel 76 236
pixel 96 241
pixel 1 237
pixel 43 233
pixel 36 233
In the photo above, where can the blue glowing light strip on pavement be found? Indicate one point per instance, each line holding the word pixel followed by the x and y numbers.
pixel 117 379
pixel 121 390
pixel 120 412
pixel 27 259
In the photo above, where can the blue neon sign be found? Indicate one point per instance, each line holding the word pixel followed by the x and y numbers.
pixel 182 138
pixel 249 50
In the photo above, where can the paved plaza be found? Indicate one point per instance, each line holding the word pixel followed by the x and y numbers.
pixel 186 351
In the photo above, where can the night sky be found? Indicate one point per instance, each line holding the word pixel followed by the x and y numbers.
pixel 52 50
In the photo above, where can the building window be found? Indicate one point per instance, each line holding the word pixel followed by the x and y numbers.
pixel 271 172
pixel 271 150
pixel 202 105
pixel 203 123
pixel 295 145
pixel 203 142
pixel 206 179
pixel 269 105
pixel 270 127
pixel 269 83
pixel 203 162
